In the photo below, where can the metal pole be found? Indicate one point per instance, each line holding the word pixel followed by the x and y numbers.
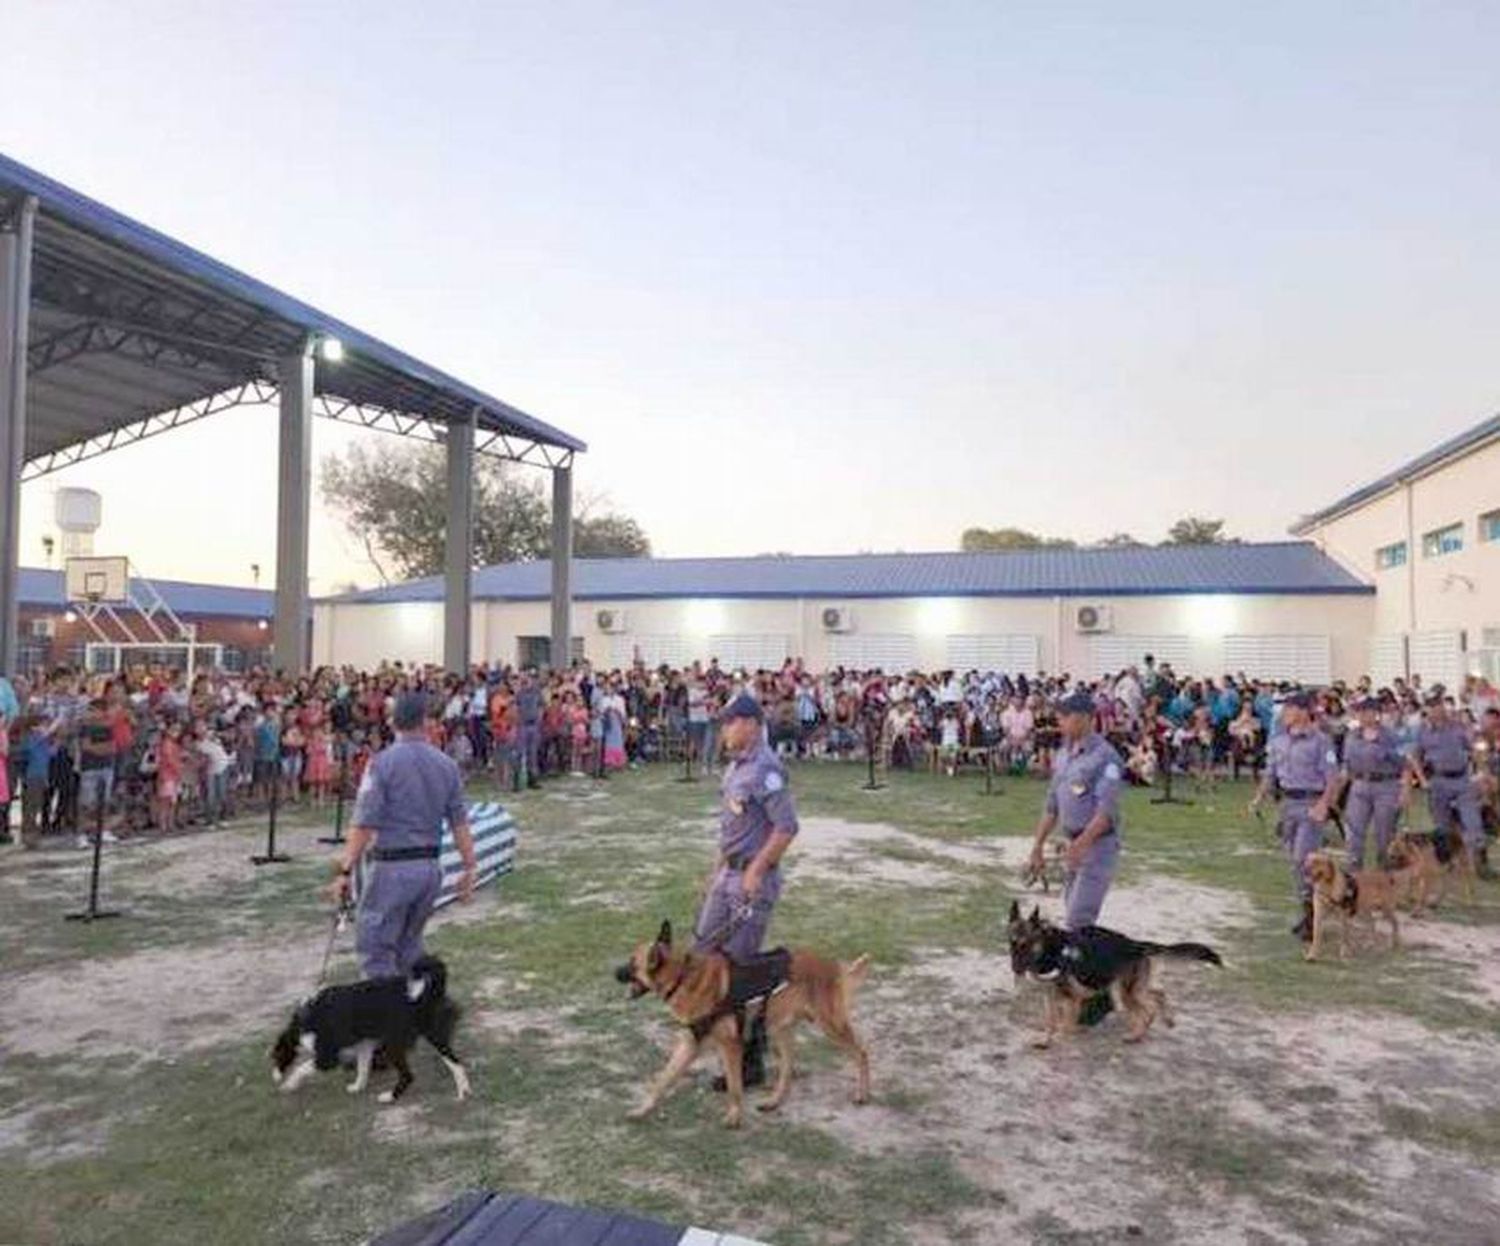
pixel 293 507
pixel 562 567
pixel 459 542
pixel 15 313
pixel 271 856
pixel 94 912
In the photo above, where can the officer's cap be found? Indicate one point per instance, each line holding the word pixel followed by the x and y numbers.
pixel 1300 697
pixel 410 712
pixel 1368 702
pixel 1076 703
pixel 742 706
pixel 1435 695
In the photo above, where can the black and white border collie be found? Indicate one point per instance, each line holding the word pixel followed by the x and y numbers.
pixel 357 1018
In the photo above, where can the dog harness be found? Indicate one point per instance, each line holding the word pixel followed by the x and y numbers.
pixel 1350 901
pixel 758 978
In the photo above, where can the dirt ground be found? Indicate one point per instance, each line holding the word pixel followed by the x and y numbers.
pixel 1292 1103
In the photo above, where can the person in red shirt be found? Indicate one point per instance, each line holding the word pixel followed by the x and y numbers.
pixel 168 777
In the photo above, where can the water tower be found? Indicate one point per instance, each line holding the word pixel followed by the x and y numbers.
pixel 77 513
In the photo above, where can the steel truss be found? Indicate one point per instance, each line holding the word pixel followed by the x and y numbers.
pixel 260 392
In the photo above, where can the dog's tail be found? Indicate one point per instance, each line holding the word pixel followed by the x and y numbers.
pixel 852 976
pixel 1184 951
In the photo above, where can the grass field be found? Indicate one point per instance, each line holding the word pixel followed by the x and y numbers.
pixel 1351 1102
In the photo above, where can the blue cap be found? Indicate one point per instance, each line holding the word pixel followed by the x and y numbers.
pixel 1076 703
pixel 1368 702
pixel 742 706
pixel 1299 697
pixel 410 711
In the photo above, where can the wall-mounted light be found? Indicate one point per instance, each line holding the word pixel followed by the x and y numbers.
pixel 331 349
pixel 70 616
pixel 261 624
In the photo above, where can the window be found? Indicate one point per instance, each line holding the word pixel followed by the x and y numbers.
pixel 1388 556
pixel 1447 540
pixel 1489 526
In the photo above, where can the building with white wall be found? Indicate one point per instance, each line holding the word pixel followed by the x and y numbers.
pixel 1282 610
pixel 1427 536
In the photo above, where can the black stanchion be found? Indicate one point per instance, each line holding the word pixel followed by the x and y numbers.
pixel 689 771
pixel 94 912
pixel 872 743
pixel 1169 761
pixel 338 801
pixel 271 856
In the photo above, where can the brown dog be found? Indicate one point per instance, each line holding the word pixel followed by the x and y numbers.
pixel 1350 895
pixel 696 987
pixel 1435 867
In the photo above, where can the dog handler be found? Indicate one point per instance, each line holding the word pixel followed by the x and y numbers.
pixel 757 822
pixel 407 791
pixel 1302 769
pixel 1440 763
pixel 1084 795
pixel 1373 765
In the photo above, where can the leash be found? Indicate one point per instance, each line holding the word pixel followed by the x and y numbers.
pixel 340 924
pixel 722 932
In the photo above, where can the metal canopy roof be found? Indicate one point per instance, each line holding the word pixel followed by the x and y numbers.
pixel 1283 567
pixel 133 333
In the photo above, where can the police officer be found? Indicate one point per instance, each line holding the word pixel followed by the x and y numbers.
pixel 1374 764
pixel 407 790
pixel 529 716
pixel 757 822
pixel 1084 796
pixel 1302 770
pixel 1440 763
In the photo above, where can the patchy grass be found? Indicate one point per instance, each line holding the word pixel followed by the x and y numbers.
pixel 1240 1118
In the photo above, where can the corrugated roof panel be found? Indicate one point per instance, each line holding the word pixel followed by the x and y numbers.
pixel 42 588
pixel 1280 567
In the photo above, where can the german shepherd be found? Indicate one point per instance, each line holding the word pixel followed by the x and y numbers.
pixel 695 987
pixel 1351 894
pixel 1440 857
pixel 1079 964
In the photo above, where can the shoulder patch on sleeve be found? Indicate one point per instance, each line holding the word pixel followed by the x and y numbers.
pixel 1111 771
pixel 774 781
pixel 1331 758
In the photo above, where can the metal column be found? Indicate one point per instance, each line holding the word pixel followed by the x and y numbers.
pixel 15 312
pixel 459 540
pixel 293 509
pixel 562 567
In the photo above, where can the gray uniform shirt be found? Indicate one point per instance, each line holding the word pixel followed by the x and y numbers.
pixel 1086 780
pixel 1380 758
pixel 407 791
pixel 1445 748
pixel 1301 762
pixel 757 800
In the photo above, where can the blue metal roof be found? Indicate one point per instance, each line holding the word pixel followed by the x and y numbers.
pixel 96 269
pixel 43 589
pixel 1296 567
pixel 1470 439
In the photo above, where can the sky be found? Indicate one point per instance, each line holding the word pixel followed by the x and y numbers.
pixel 818 277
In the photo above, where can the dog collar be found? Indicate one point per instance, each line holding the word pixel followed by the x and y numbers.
pixel 672 990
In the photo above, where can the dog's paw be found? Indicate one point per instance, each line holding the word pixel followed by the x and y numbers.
pixel 640 1113
pixel 733 1119
pixel 354 1088
pixel 768 1105
pixel 387 1096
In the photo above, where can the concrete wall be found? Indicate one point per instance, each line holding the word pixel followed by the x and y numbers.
pixel 1448 594
pixel 929 633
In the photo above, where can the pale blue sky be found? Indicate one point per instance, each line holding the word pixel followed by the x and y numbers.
pixel 819 277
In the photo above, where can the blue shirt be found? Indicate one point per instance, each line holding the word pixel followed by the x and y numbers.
pixel 37 751
pixel 1086 779
pixel 756 801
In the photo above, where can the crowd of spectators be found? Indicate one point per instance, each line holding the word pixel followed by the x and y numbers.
pixel 152 751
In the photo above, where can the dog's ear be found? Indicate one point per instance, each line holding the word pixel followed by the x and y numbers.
pixel 664 935
pixel 1036 915
pixel 654 958
pixel 1015 911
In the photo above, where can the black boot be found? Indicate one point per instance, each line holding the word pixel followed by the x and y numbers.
pixel 1095 1008
pixel 1304 928
pixel 752 1057
pixel 1483 867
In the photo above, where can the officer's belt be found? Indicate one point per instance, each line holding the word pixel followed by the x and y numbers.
pixel 1451 774
pixel 1302 794
pixel 1377 778
pixel 740 861
pixel 1084 827
pixel 407 854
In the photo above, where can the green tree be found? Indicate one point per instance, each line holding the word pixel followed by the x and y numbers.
pixel 984 540
pixel 393 499
pixel 1117 540
pixel 1193 530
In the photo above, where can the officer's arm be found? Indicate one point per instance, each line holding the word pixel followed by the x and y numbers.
pixel 458 823
pixel 1048 819
pixel 1331 785
pixel 369 813
pixel 1106 804
pixel 1414 765
pixel 1267 780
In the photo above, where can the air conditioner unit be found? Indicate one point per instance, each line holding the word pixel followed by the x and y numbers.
pixel 612 621
pixel 43 629
pixel 1093 619
pixel 838 619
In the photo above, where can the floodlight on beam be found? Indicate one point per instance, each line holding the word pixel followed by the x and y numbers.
pixel 331 349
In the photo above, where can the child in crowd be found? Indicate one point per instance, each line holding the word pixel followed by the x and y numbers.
pixel 948 742
pixel 168 778
pixel 319 762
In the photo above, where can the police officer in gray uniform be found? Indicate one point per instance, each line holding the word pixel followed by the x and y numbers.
pixel 1374 763
pixel 757 822
pixel 1440 763
pixel 529 716
pixel 1302 770
pixel 407 791
pixel 1084 796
